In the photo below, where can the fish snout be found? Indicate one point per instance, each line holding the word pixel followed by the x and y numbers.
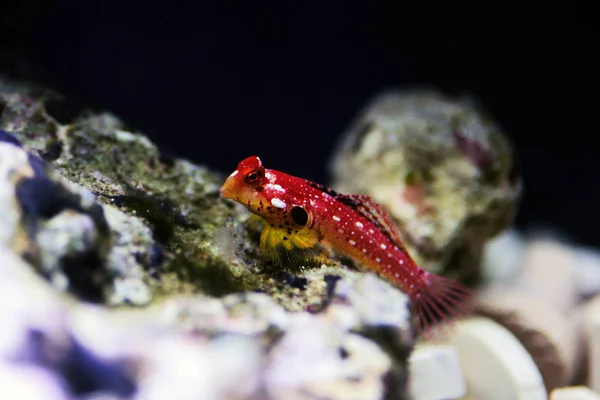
pixel 228 188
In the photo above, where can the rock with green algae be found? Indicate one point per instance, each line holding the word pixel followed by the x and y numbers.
pixel 443 169
pixel 102 215
pixel 88 192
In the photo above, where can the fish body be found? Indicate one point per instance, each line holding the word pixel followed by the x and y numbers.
pixel 302 215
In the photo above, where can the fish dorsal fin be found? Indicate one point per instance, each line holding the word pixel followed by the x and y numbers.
pixel 369 209
pixel 323 189
pixel 372 211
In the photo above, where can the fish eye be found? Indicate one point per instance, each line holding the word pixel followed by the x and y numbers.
pixel 299 215
pixel 253 177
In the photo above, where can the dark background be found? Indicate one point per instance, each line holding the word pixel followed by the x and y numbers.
pixel 216 81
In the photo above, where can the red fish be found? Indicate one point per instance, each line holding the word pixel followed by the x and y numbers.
pixel 302 215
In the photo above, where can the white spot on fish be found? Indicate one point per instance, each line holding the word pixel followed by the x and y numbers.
pixel 364 250
pixel 371 231
pixel 383 246
pixel 352 242
pixel 278 202
pixel 276 187
pixel 378 259
pixel 359 224
pixel 336 218
pixel 340 230
pixel 397 275
pixel 234 173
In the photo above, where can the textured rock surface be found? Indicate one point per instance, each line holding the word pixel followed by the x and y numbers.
pixel 157 217
pixel 194 346
pixel 126 276
pixel 441 167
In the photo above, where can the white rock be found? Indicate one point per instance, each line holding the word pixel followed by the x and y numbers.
pixel 101 396
pixel 229 367
pixel 588 271
pixel 549 273
pixel 130 236
pixel 503 257
pixel 317 360
pixel 495 365
pixel 574 393
pixel 130 290
pixel 70 232
pixel 536 308
pixel 13 161
pixel 24 382
pixel 246 314
pixel 544 330
pixel 26 303
pixel 176 369
pixel 371 300
pixel 170 362
pixel 180 368
pixel 435 373
pixel 592 328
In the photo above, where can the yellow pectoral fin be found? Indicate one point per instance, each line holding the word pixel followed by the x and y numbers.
pixel 273 240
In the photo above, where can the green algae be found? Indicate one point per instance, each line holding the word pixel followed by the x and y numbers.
pixel 177 200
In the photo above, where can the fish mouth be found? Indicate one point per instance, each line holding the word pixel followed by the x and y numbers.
pixel 228 189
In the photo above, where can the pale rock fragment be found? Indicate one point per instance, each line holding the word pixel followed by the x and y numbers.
pixel 27 382
pixel 192 368
pixel 496 366
pixel 435 373
pixel 550 273
pixel 548 335
pixel 537 310
pixel 591 316
pixel 574 393
pixel 315 359
pixel 587 273
pixel 13 164
pixel 503 257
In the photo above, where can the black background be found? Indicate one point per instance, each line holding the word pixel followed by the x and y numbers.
pixel 216 81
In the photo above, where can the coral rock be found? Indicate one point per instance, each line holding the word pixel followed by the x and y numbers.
pixel 443 170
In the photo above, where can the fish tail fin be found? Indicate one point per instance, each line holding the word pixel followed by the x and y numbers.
pixel 439 300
